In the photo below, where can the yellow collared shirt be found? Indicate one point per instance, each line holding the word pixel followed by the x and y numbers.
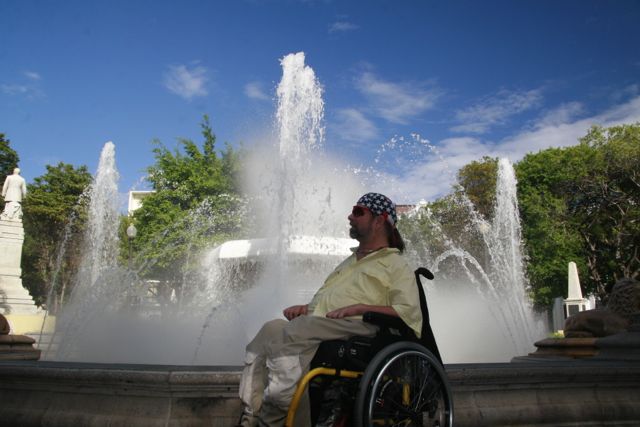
pixel 381 278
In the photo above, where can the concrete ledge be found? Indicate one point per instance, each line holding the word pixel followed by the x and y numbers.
pixel 74 394
pixel 562 393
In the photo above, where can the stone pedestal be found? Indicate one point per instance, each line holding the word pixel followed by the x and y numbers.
pixel 14 299
pixel 623 346
pixel 570 348
pixel 16 347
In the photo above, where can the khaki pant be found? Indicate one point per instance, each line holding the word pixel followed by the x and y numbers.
pixel 278 357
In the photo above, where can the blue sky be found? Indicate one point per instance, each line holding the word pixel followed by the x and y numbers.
pixel 473 78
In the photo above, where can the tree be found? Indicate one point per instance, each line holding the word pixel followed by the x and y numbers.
pixel 195 204
pixel 54 216
pixel 550 238
pixel 8 157
pixel 605 204
pixel 581 204
pixel 456 220
pixel 478 181
pixel 452 221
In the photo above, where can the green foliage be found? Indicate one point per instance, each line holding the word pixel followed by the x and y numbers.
pixel 196 204
pixel 581 204
pixel 447 223
pixel 478 180
pixel 53 212
pixel 451 221
pixel 606 203
pixel 188 177
pixel 8 157
pixel 550 239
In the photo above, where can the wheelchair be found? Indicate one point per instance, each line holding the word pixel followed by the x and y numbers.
pixel 391 379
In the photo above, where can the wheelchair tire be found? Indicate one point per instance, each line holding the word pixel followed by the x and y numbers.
pixel 404 385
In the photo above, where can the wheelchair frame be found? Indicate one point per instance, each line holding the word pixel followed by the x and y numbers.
pixel 400 365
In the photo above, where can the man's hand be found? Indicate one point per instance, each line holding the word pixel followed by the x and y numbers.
pixel 295 311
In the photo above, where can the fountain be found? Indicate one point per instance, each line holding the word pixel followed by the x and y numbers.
pixel 480 288
pixel 115 365
pixel 301 236
pixel 94 292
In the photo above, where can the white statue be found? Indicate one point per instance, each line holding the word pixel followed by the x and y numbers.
pixel 13 190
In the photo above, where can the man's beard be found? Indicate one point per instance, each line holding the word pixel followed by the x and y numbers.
pixel 354 233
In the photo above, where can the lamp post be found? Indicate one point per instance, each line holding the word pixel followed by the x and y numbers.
pixel 131 234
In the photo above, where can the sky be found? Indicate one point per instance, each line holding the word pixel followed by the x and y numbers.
pixel 451 81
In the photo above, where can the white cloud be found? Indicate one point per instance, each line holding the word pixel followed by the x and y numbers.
pixel 562 134
pixel 342 26
pixel 434 176
pixel 461 149
pixel 396 102
pixel 559 127
pixel 352 125
pixel 32 75
pixel 626 92
pixel 14 89
pixel 562 114
pixel 254 90
pixel 495 110
pixel 186 82
pixel 30 89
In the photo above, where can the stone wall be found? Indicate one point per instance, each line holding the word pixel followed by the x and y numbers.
pixel 75 394
pixel 567 393
pixel 573 393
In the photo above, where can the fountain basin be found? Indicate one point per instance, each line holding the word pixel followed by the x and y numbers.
pixel 568 393
pixel 91 394
pixel 297 246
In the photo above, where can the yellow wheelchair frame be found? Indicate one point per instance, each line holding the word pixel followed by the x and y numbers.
pixel 304 383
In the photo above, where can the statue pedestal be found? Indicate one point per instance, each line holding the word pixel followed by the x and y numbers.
pixel 16 347
pixel 570 348
pixel 14 299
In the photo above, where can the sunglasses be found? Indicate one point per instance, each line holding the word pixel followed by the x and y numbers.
pixel 359 211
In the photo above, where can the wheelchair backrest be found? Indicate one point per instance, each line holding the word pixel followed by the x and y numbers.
pixel 427 338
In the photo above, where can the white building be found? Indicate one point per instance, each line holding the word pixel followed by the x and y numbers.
pixel 135 200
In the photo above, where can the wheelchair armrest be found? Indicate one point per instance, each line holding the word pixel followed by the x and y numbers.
pixel 391 324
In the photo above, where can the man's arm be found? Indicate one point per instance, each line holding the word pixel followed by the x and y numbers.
pixel 359 309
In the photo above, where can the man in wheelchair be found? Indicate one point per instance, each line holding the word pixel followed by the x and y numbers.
pixel 375 280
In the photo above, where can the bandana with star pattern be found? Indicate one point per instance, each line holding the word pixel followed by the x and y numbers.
pixel 380 205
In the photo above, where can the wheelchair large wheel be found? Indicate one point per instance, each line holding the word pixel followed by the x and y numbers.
pixel 404 385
